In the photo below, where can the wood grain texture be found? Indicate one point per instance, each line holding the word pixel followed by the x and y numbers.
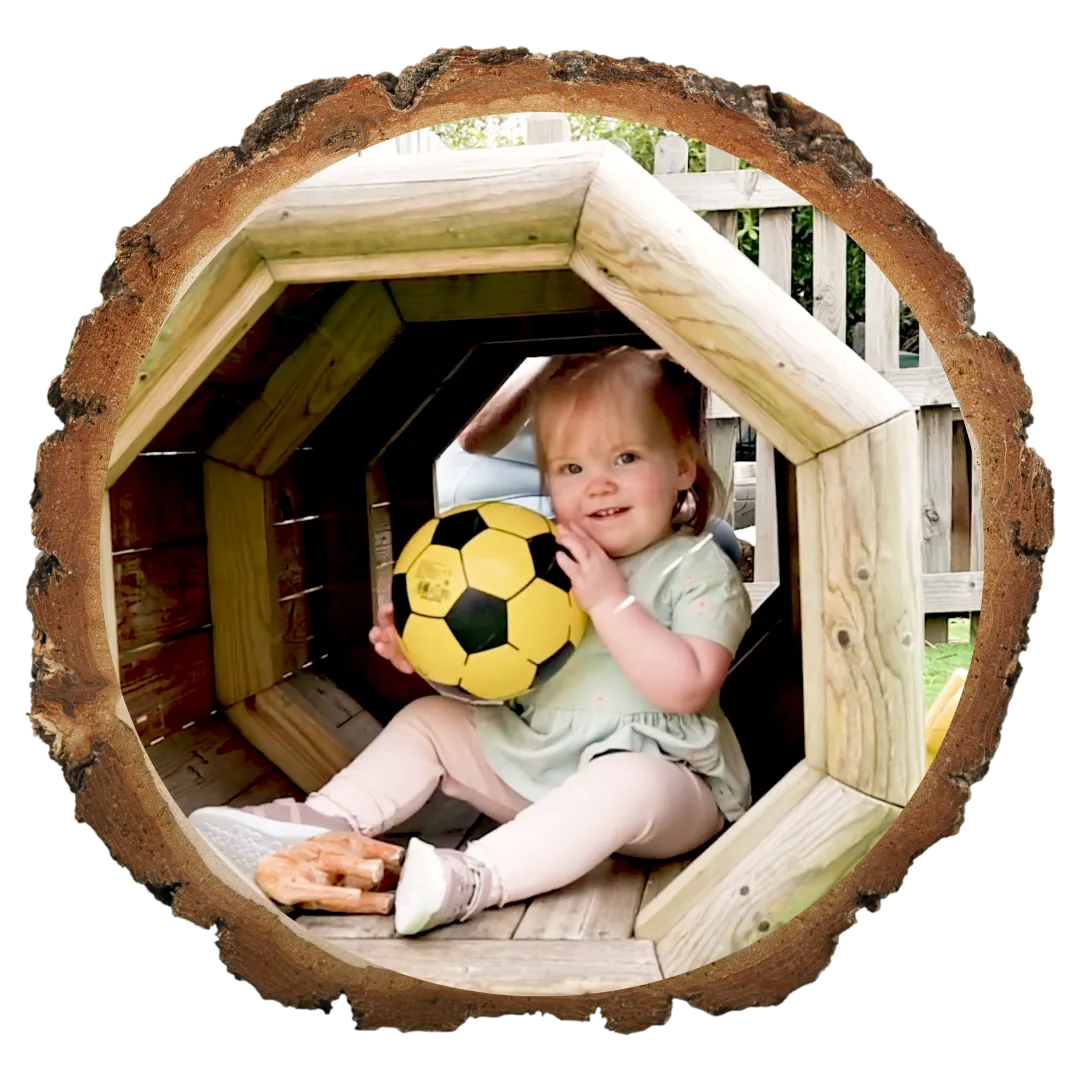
pixel 922 386
pixel 74 693
pixel 467 200
pixel 303 487
pixel 421 264
pixel 290 731
pixel 180 374
pixel 809 848
pixel 602 904
pixel 305 389
pixel 935 456
pixel 158 500
pixel 863 611
pixel 693 888
pixel 207 764
pixel 487 296
pixel 735 330
pixel 774 261
pixel 108 582
pixel 739 189
pixel 829 274
pixel 515 968
pixel 882 349
pixel 160 593
pixel 168 684
pixel 247 617
pixel 960 524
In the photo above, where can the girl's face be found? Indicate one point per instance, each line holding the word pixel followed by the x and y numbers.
pixel 614 471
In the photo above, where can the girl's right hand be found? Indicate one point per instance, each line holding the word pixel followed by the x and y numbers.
pixel 384 637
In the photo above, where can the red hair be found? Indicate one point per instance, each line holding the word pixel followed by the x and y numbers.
pixel 674 397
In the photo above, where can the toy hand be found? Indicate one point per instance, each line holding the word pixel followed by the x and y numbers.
pixel 593 574
pixel 335 871
pixel 384 636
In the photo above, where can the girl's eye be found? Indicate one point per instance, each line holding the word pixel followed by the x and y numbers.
pixel 572 469
pixel 627 458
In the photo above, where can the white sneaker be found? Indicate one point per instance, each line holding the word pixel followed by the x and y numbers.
pixel 243 836
pixel 439 886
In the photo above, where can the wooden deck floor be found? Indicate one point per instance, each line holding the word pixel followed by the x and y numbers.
pixel 574 940
pixel 578 939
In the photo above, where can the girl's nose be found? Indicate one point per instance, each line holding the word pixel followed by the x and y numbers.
pixel 601 483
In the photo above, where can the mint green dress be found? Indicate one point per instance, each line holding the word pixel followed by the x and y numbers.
pixel 589 706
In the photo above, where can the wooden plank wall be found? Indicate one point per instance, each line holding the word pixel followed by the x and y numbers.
pixel 164 642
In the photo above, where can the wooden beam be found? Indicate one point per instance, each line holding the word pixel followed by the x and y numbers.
pixel 935 453
pixel 923 386
pixel 469 200
pixel 420 264
pixel 695 885
pixel 107 580
pixel 516 968
pixel 953 593
pixel 736 331
pixel 307 386
pixel 171 374
pixel 976 561
pixel 863 612
pixel 306 726
pixel 488 296
pixel 739 189
pixel 722 437
pixel 882 351
pixel 774 261
pixel 725 222
pixel 240 552
pixel 805 845
pixel 830 274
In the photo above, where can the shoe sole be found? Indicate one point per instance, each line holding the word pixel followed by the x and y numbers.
pixel 420 888
pixel 243 839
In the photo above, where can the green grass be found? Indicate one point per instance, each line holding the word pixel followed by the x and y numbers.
pixel 940 661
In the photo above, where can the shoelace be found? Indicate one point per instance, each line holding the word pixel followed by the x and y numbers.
pixel 473 905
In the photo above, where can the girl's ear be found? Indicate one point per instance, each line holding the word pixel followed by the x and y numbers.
pixel 688 463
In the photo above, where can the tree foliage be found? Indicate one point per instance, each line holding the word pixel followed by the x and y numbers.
pixel 506 130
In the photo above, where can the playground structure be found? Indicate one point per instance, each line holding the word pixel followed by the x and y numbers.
pixel 264 477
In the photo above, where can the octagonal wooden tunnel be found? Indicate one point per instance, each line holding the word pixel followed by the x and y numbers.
pixel 278 450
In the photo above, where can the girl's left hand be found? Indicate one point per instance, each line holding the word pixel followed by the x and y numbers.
pixel 593 574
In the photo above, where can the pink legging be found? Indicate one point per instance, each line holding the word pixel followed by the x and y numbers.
pixel 640 805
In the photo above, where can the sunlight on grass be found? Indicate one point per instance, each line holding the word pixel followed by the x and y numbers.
pixel 942 660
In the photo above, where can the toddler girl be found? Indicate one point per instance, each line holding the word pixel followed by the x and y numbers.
pixel 625 749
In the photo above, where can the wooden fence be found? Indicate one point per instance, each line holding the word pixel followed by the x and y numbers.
pixel 951 491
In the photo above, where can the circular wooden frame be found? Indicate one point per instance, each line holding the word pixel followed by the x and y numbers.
pixel 75 691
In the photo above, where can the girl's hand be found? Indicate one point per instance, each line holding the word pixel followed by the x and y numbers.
pixel 593 574
pixel 384 636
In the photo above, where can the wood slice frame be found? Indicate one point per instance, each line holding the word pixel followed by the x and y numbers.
pixel 77 708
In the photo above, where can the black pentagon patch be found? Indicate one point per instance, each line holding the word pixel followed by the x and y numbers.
pixel 543 549
pixel 552 664
pixel 478 621
pixel 457 530
pixel 399 594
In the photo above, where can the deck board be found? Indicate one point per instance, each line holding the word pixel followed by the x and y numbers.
pixel 600 905
pixel 514 967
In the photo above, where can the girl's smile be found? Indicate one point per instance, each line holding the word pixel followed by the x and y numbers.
pixel 612 472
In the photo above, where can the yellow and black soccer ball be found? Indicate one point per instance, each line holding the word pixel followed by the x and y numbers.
pixel 484 611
